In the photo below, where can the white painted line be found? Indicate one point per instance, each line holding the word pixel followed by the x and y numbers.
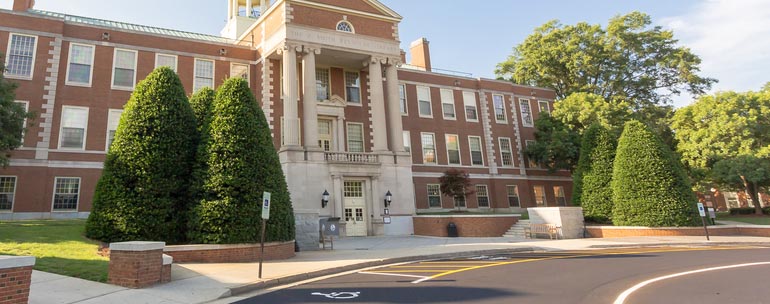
pixel 421 280
pixel 623 296
pixel 394 274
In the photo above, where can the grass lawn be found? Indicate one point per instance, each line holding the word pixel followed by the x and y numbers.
pixel 59 247
pixel 750 219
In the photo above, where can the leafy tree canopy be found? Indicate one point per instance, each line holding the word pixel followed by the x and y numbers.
pixel 12 117
pixel 743 173
pixel 556 146
pixel 455 183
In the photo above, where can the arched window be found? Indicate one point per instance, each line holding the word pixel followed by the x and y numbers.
pixel 344 26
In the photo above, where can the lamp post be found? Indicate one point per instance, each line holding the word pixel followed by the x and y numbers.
pixel 324 198
pixel 388 199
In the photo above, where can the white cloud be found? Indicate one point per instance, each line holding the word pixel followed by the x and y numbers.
pixel 732 37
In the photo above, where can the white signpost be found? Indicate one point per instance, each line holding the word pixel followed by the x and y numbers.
pixel 702 212
pixel 265 217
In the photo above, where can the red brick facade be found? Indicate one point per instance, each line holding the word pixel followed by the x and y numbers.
pixel 467 225
pixel 136 269
pixel 14 285
pixel 240 253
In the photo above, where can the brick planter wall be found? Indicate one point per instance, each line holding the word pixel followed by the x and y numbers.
pixel 722 230
pixel 15 278
pixel 136 264
pixel 233 253
pixel 493 225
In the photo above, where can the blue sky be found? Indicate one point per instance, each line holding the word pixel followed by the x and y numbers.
pixel 730 36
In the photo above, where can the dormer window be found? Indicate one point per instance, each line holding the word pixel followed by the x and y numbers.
pixel 344 26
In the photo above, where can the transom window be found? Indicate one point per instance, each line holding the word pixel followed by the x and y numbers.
pixel 322 84
pixel 344 26
pixel 453 149
pixel 499 103
pixel 74 122
pixel 402 99
pixel 482 195
pixel 506 154
pixel 353 87
pixel 355 137
pixel 423 102
pixel 66 192
pixel 204 74
pixel 124 69
pixel 526 113
pixel 448 104
pixel 7 191
pixel 81 63
pixel 513 196
pixel 434 195
pixel 477 159
pixel 353 189
pixel 20 58
pixel 469 99
pixel 428 148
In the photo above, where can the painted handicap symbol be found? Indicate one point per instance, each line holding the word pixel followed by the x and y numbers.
pixel 343 295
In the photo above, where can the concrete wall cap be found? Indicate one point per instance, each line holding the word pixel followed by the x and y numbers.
pixel 136 246
pixel 8 261
pixel 468 215
pixel 175 248
pixel 167 259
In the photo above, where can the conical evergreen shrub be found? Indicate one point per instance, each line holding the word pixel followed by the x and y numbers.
pixel 593 175
pixel 649 184
pixel 202 103
pixel 146 173
pixel 242 164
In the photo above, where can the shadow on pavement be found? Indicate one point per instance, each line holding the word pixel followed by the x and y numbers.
pixel 422 294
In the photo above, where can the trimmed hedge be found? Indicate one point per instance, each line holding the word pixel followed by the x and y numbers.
pixel 650 187
pixel 146 173
pixel 593 176
pixel 202 103
pixel 748 210
pixel 242 164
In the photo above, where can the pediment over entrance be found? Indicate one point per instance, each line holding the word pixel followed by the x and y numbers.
pixel 367 6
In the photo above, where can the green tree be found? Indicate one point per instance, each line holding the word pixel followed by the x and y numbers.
pixel 146 173
pixel 580 110
pixel 649 185
pixel 593 176
pixel 242 164
pixel 744 172
pixel 556 146
pixel 12 117
pixel 455 183
pixel 202 102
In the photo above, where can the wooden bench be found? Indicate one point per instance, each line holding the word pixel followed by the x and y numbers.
pixel 550 229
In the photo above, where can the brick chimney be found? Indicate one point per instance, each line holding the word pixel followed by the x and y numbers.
pixel 420 53
pixel 23 5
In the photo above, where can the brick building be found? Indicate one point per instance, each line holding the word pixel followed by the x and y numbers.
pixel 349 115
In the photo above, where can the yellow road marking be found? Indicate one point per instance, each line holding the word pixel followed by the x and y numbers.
pixel 432 266
pixel 410 271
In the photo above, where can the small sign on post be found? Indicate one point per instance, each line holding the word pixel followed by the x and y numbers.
pixel 702 212
pixel 265 217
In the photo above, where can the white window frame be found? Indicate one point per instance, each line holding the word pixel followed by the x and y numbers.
pixel 407 139
pixel 347 137
pixel 440 202
pixel 486 191
pixel 540 104
pixel 494 106
pixel 403 101
pixel 524 122
pixel 510 150
pixel 195 72
pixel 176 60
pixel 248 71
pixel 13 200
pixel 508 195
pixel 535 197
pixel 24 123
pixel 430 103
pixel 556 195
pixel 466 96
pixel 53 196
pixel 91 66
pixel 85 129
pixel 352 29
pixel 8 58
pixel 422 148
pixel 114 67
pixel 447 98
pixel 109 124
pixel 459 152
pixel 470 149
pixel 345 78
pixel 328 83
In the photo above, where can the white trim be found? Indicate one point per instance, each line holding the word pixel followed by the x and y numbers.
pixel 470 149
pixel 352 28
pixel 248 71
pixel 450 101
pixel 406 100
pixel 328 84
pixel 534 196
pixel 508 196
pixel 498 176
pixel 435 149
pixel 107 135
pixel 510 150
pixel 347 137
pixel 521 113
pixel 195 72
pixel 345 80
pixel 393 15
pixel 407 144
pixel 137 246
pixel 53 195
pixel 459 152
pixel 440 201
pixel 8 57
pixel 91 66
pixel 475 106
pixel 430 103
pixel 486 189
pixel 176 60
pixel 114 67
pixel 15 185
pixel 61 127
pixel 494 109
pixel 540 106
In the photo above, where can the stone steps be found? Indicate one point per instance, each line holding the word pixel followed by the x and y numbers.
pixel 518 230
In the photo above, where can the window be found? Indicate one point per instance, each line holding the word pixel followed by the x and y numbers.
pixel 20 58
pixel 204 74
pixel 81 64
pixel 113 118
pixel 558 192
pixel 506 153
pixel 459 201
pixel 355 137
pixel 124 69
pixel 539 195
pixel 352 87
pixel 325 136
pixel 526 113
pixel 407 142
pixel 453 149
pixel 428 148
pixel 7 192
pixel 531 163
pixel 482 196
pixel 469 99
pixel 477 159
pixel 165 60
pixel 239 70
pixel 402 99
pixel 448 104
pixel 434 195
pixel 25 106
pixel 322 84
pixel 65 193
pixel 74 122
pixel 499 103
pixel 353 189
pixel 544 108
pixel 344 26
pixel 423 102
pixel 513 196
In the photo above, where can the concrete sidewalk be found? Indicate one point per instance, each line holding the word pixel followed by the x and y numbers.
pixel 198 283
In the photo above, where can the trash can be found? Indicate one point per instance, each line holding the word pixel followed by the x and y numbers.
pixel 451 230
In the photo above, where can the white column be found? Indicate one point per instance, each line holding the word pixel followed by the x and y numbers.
pixel 229 10
pixel 377 99
pixel 395 126
pixel 249 5
pixel 309 109
pixel 290 128
pixel 337 196
pixel 341 134
pixel 263 5
pixel 234 8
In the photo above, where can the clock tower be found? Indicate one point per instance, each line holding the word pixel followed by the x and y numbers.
pixel 241 14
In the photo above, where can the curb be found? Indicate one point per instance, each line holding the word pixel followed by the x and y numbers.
pixel 687 244
pixel 249 287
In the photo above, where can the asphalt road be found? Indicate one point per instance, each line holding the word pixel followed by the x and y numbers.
pixel 643 275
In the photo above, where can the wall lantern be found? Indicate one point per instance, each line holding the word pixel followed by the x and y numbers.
pixel 324 198
pixel 388 199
